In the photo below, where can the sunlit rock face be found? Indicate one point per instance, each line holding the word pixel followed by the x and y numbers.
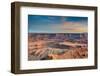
pixel 71 54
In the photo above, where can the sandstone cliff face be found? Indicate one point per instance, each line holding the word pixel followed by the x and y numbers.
pixel 72 54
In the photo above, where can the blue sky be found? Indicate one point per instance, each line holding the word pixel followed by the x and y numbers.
pixel 57 24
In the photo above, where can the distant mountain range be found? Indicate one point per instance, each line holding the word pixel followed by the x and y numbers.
pixel 60 35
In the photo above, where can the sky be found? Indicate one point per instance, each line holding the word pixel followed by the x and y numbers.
pixel 57 24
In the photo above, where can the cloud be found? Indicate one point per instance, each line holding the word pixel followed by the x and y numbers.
pixel 71 27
